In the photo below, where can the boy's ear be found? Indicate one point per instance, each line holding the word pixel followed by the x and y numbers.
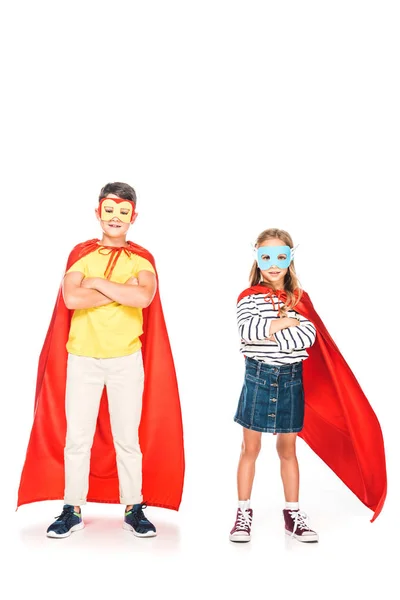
pixel 96 211
pixel 134 217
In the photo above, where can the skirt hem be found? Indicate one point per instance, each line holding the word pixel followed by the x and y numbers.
pixel 266 429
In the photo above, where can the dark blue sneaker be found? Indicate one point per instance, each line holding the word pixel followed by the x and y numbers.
pixel 66 523
pixel 136 522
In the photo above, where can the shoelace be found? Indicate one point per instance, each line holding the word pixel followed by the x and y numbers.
pixel 243 520
pixel 139 515
pixel 66 515
pixel 300 521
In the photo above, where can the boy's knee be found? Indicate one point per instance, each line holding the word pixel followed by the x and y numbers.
pixel 77 446
pixel 123 447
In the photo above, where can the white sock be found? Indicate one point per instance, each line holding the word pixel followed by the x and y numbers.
pixel 292 506
pixel 244 504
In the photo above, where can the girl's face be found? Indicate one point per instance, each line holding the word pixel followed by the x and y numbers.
pixel 274 276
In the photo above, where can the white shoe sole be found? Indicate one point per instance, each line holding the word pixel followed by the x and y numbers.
pixel 239 538
pixel 142 535
pixel 304 539
pixel 53 534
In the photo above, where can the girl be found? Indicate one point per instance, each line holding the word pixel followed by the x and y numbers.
pixel 274 341
pixel 280 329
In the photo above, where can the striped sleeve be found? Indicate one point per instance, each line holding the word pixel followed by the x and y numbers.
pixel 296 338
pixel 252 326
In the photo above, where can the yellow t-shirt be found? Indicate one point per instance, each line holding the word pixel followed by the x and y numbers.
pixel 111 330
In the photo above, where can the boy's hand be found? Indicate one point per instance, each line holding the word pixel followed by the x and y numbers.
pixel 89 283
pixel 132 281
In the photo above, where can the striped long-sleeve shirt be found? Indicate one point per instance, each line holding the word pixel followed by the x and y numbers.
pixel 255 314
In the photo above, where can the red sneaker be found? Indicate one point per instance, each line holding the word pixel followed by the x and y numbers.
pixel 296 526
pixel 241 531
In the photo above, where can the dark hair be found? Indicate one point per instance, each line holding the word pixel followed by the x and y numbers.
pixel 122 190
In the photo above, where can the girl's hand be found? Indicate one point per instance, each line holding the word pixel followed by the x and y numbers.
pixel 282 323
pixel 292 322
pixel 288 322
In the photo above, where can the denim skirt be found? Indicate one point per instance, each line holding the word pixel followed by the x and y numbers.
pixel 272 398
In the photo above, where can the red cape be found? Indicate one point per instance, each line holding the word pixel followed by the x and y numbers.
pixel 160 432
pixel 339 423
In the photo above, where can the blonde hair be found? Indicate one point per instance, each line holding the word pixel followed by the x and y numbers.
pixel 291 282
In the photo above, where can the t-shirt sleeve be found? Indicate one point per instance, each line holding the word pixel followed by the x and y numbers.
pixel 142 264
pixel 80 266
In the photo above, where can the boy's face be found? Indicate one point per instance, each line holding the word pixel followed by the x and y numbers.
pixel 115 215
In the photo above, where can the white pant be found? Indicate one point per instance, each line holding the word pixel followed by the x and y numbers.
pixel 86 378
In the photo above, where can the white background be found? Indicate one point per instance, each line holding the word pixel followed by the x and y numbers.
pixel 227 118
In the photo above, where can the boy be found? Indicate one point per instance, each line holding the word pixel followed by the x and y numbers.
pixel 107 286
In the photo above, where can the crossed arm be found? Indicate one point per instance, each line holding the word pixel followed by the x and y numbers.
pixel 90 292
pixel 253 327
pixel 287 333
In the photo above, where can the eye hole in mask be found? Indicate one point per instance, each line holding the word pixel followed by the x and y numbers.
pixel 273 256
pixel 109 210
pixel 267 257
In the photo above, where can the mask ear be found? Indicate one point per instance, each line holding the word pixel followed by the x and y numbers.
pixel 292 252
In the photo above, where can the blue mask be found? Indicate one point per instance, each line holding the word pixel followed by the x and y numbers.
pixel 274 256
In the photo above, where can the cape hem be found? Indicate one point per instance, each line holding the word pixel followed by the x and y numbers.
pixel 148 503
pixel 379 505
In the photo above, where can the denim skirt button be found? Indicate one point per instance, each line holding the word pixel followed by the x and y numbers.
pixel 269 402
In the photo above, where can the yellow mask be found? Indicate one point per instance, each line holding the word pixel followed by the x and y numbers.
pixel 116 207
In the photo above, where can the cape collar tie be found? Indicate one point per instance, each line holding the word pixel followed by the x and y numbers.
pixel 113 251
pixel 270 293
pixel 114 254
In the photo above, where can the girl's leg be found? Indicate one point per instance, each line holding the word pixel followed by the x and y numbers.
pixel 295 521
pixel 286 447
pixel 241 531
pixel 251 447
